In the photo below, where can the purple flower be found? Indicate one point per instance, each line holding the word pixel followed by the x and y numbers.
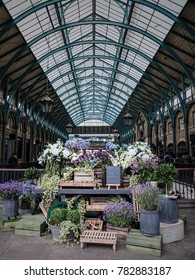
pixel 11 189
pixel 119 213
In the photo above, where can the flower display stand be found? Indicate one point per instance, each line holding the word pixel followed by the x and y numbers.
pixel 172 232
pixel 98 237
pixel 137 242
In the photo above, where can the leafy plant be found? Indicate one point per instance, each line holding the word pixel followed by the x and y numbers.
pixel 147 197
pixel 66 227
pixel 50 184
pixel 165 172
pixel 31 173
pixel 57 216
pixel 119 213
pixel 27 199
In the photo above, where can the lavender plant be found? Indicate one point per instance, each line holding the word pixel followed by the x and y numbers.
pixel 11 189
pixel 119 213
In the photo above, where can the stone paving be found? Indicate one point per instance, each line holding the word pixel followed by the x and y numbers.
pixel 17 247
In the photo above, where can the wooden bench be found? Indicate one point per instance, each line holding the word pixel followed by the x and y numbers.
pixel 98 237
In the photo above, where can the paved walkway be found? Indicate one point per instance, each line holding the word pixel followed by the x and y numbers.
pixel 17 247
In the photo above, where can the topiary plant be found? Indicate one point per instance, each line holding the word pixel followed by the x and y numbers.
pixel 165 173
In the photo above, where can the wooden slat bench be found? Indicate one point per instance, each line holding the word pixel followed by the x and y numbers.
pixel 98 237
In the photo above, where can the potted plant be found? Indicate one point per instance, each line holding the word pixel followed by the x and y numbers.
pixel 119 216
pixel 165 174
pixel 148 199
pixel 10 192
pixel 67 223
pixel 57 216
pixel 31 174
pixel 27 199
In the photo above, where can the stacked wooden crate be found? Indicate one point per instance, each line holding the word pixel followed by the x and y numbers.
pixel 137 242
pixel 31 225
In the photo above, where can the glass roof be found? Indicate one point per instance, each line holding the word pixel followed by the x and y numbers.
pixel 94 53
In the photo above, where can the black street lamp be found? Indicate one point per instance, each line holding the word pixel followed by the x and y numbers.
pixel 127 118
pixel 69 128
pixel 46 103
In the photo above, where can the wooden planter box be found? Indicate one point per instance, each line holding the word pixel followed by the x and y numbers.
pixel 81 176
pixel 122 232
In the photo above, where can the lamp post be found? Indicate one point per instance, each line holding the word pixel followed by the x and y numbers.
pixel 127 119
pixel 116 136
pixel 46 103
pixel 69 128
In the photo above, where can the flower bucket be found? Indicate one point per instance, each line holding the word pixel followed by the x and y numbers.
pixel 10 207
pixel 149 222
pixel 55 230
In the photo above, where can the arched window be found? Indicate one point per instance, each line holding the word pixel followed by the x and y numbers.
pixel 181 147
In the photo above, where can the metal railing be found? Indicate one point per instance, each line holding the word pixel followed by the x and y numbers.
pixel 184 184
pixel 7 174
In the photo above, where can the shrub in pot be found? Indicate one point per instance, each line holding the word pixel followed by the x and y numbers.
pixel 31 174
pixel 165 174
pixel 57 216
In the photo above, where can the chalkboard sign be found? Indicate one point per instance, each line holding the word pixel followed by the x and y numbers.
pixel 113 175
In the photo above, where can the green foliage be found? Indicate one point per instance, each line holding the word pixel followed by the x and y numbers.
pixel 57 216
pixel 65 228
pixel 51 186
pixel 74 216
pixel 166 172
pixel 147 197
pixel 69 219
pixel 31 174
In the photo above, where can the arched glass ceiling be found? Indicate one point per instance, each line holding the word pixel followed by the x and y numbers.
pixel 94 52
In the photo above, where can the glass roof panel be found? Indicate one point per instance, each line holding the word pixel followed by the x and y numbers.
pixel 66 76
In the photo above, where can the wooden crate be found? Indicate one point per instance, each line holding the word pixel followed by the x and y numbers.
pixel 93 224
pixel 99 200
pixel 121 232
pixel 137 242
pixel 81 176
pixel 31 225
pixel 72 184
pixel 98 237
pixel 95 207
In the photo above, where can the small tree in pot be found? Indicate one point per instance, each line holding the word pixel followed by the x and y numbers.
pixel 165 174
